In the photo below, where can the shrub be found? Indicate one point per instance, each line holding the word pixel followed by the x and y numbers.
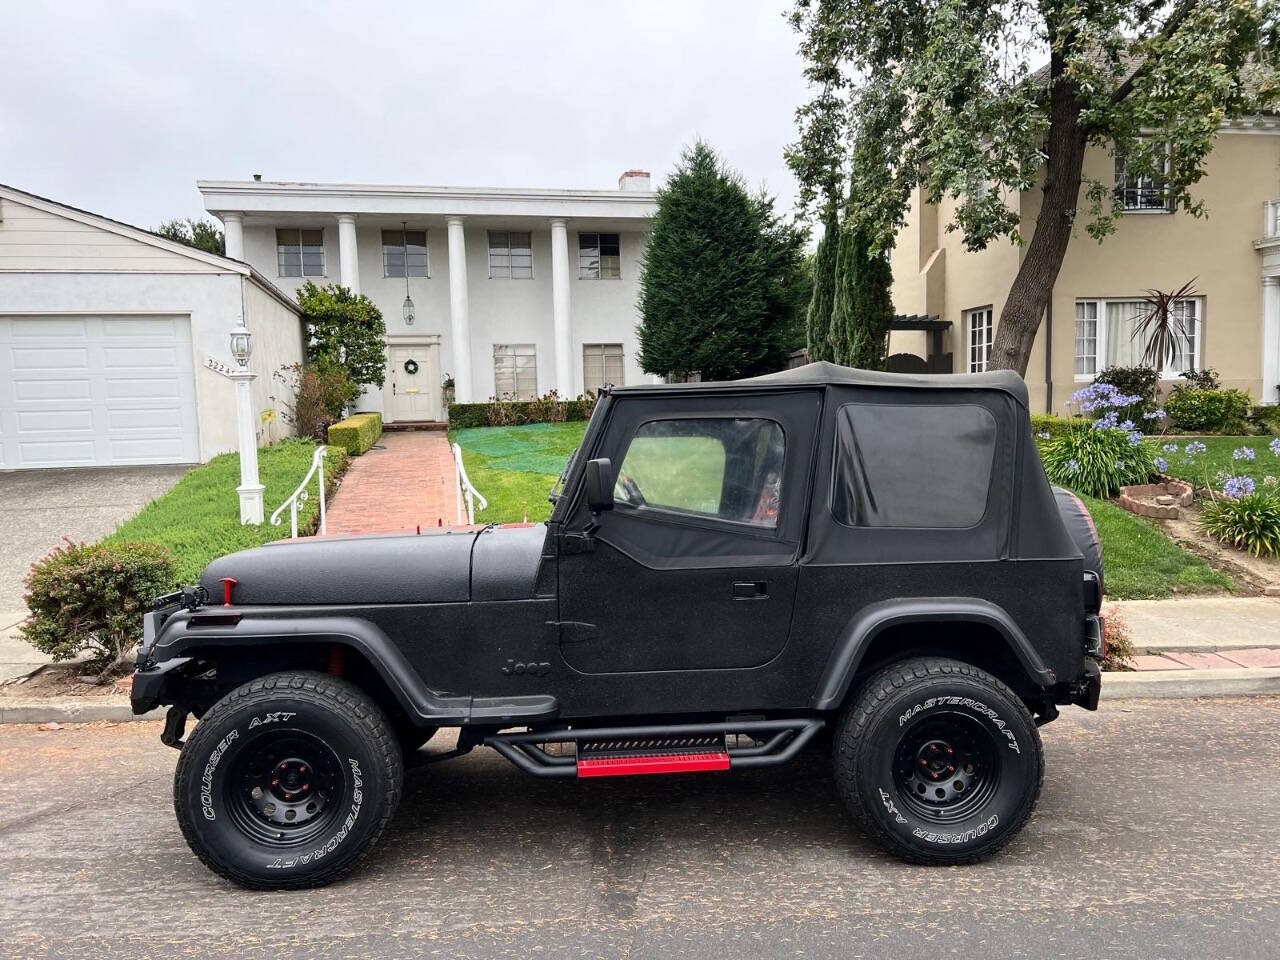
pixel 317 395
pixel 1250 522
pixel 91 598
pixel 1206 379
pixel 1119 641
pixel 1198 410
pixel 357 433
pixel 1133 382
pixel 1266 420
pixel 344 329
pixel 1097 462
pixel 509 413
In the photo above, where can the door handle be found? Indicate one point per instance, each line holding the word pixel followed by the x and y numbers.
pixel 751 590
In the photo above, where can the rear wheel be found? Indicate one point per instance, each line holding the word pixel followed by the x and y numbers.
pixel 288 781
pixel 939 761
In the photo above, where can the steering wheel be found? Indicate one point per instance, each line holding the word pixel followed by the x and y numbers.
pixel 631 489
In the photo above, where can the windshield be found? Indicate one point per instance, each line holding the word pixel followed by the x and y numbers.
pixel 557 488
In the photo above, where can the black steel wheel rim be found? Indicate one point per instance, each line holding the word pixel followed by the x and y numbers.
pixel 285 788
pixel 947 766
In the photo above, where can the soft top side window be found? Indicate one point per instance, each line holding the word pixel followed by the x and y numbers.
pixel 724 468
pixel 919 465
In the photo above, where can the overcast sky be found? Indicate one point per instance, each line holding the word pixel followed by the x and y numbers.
pixel 120 107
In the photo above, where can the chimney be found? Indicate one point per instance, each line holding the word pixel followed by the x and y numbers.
pixel 257 178
pixel 634 180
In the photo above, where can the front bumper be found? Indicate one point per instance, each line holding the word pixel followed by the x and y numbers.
pixel 152 684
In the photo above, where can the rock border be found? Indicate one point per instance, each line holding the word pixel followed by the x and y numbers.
pixel 1183 496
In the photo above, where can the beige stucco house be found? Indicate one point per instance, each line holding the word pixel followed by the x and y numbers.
pixel 1233 254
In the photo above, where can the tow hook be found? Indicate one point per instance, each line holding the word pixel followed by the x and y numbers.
pixel 175 725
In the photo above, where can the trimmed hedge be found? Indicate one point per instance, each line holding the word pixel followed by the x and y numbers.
pixel 357 433
pixel 501 413
pixel 1056 426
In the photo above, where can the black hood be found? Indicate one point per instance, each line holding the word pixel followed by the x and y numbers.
pixel 494 564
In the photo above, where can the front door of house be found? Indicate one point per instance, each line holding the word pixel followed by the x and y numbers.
pixel 413 382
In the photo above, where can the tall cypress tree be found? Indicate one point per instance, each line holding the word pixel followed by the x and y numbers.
pixel 843 319
pixel 723 279
pixel 818 317
pixel 872 309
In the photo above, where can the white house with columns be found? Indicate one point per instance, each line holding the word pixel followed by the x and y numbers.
pixel 509 291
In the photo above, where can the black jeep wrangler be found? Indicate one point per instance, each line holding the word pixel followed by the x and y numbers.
pixel 731 572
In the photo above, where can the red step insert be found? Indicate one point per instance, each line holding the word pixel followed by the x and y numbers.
pixel 653 763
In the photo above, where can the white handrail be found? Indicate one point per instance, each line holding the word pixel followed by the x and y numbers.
pixel 300 495
pixel 465 489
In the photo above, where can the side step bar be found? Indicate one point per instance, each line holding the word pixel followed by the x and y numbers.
pixel 676 748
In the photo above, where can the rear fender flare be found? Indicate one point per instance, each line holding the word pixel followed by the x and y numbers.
pixel 865 625
pixel 356 633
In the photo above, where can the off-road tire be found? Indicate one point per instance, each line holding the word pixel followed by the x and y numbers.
pixel 873 751
pixel 355 746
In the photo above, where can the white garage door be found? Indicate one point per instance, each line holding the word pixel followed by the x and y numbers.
pixel 96 391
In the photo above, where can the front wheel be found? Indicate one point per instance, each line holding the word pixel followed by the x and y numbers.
pixel 288 781
pixel 939 761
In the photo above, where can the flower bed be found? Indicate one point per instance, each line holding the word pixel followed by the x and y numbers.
pixel 1160 501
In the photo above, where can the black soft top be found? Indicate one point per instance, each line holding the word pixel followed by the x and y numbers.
pixel 824 374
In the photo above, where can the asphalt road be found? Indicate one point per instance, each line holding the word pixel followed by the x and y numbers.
pixel 1153 839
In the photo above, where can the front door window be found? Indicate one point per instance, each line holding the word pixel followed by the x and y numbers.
pixel 715 467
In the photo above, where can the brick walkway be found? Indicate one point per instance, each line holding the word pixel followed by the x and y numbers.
pixel 403 486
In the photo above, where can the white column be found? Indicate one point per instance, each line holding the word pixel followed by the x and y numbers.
pixel 1270 339
pixel 348 264
pixel 459 322
pixel 250 489
pixel 560 307
pixel 233 234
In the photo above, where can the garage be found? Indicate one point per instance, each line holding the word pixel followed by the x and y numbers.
pixel 96 391
pixel 115 343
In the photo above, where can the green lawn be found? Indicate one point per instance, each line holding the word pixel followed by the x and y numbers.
pixel 514 467
pixel 1203 469
pixel 199 518
pixel 1141 562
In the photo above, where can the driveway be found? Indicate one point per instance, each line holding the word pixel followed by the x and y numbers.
pixel 40 506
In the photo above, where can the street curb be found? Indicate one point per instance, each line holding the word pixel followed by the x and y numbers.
pixel 71 710
pixel 1236 682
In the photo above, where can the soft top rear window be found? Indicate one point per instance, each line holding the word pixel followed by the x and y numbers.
pixel 923 465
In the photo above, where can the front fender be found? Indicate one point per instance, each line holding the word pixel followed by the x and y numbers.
pixel 187 634
pixel 873 619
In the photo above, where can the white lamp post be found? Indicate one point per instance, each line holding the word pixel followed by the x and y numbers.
pixel 250 489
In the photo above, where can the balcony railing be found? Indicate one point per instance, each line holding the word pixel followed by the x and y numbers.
pixel 1271 220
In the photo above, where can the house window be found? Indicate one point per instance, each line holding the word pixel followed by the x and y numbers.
pixel 601 364
pixel 978 324
pixel 1086 338
pixel 515 371
pixel 1107 336
pixel 510 255
pixel 404 253
pixel 300 253
pixel 1142 192
pixel 599 256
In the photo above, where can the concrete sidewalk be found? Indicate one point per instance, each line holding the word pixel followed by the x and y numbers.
pixel 17 657
pixel 1204 633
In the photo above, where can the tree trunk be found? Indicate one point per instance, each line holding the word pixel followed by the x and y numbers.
pixel 1033 285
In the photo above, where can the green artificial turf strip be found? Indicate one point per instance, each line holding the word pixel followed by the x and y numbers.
pixel 198 519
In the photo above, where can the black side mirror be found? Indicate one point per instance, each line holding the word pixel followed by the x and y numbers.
pixel 599 480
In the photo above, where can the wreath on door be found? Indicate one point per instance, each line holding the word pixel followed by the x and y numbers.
pixel 411 366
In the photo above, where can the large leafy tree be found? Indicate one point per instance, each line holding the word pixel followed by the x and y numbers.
pixel 724 283
pixel 202 234
pixel 964 105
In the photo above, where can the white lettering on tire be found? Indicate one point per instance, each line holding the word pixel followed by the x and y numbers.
pixel 980 830
pixel 975 705
pixel 206 778
pixel 357 798
pixel 888 805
